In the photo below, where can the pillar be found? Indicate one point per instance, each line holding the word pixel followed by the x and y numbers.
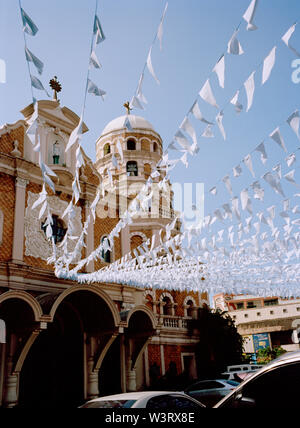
pixel 18 238
pixel 11 385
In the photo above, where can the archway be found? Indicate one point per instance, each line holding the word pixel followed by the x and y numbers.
pixel 59 371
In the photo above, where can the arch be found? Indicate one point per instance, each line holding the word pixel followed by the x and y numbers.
pixel 93 289
pixel 166 294
pixel 28 298
pixel 131 144
pixel 142 308
pixel 188 297
pixel 188 308
pixel 106 149
pixel 141 234
pixel 132 168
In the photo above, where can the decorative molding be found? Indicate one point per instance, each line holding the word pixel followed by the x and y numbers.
pixel 21 182
pixel 36 243
pixel 1 226
pixel 141 234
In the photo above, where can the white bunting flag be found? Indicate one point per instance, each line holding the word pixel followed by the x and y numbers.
pixel 246 201
pixel 258 191
pixel 195 110
pixel 286 39
pixel 207 133
pixel 135 102
pixel 213 191
pixel 93 89
pixel 238 106
pixel 249 15
pixel 32 58
pixel 94 62
pixel 160 27
pixel 226 181
pixel 263 155
pixel 29 26
pixel 294 121
pixel 235 207
pixel 98 32
pixel 76 135
pixel 207 95
pixel 188 128
pixel 219 119
pixel 248 162
pixel 277 169
pixel 275 184
pixel 291 159
pixel 227 210
pixel 219 69
pixel 276 136
pixel 268 65
pixel 127 124
pixel 234 47
pixel 150 66
pixel 250 87
pixel 182 140
pixel 139 92
pixel 237 171
pixel 120 150
pixel 290 177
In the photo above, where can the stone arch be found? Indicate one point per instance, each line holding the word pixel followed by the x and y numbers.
pixel 188 309
pixel 28 298
pixel 93 289
pixel 167 304
pixel 143 308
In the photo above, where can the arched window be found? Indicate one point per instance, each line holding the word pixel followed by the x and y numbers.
pixel 58 229
pixel 147 170
pixel 56 153
pixel 189 309
pixel 105 255
pixel 155 147
pixel 167 308
pixel 132 168
pixel 106 149
pixel 131 145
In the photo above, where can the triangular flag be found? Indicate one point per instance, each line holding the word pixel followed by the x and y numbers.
pixel 94 62
pixel 235 102
pixel 269 62
pixel 197 113
pixel 29 26
pixel 250 87
pixel 249 15
pixel 276 136
pixel 294 121
pixel 32 58
pixel 286 39
pixel 234 46
pixel 100 37
pixel 207 95
pixel 93 89
pixel 219 119
pixel 219 69
pixel 248 163
pixel 150 67
pixel 160 28
pixel 263 155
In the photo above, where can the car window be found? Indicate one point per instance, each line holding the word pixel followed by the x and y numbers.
pixel 205 385
pixel 232 382
pixel 108 404
pixel 277 388
pixel 171 402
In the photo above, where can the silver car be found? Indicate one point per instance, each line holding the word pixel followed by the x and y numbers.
pixel 152 400
pixel 275 386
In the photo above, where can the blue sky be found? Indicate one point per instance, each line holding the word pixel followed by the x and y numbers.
pixel 196 33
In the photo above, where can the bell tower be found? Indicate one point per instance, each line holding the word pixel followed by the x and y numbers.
pixel 127 152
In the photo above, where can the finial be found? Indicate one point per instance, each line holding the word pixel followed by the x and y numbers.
pixel 127 106
pixel 56 86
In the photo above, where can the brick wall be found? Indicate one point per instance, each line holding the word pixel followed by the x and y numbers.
pixel 7 206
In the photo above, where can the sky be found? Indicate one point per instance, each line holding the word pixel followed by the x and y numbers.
pixel 196 34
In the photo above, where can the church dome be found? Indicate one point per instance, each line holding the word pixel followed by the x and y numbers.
pixel 136 122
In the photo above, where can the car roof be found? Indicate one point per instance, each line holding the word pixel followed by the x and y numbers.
pixel 134 395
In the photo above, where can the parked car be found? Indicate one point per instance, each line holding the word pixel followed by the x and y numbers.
pixel 276 385
pixel 238 372
pixel 151 400
pixel 209 392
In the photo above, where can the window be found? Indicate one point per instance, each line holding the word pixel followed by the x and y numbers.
pixel 271 302
pixel 167 308
pixel 132 168
pixel 131 145
pixel 171 402
pixel 240 305
pixel 58 229
pixel 56 153
pixel 189 311
pixel 201 386
pixel 106 254
pixel 106 149
pixel 155 147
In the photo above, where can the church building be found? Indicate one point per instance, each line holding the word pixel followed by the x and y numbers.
pixel 61 342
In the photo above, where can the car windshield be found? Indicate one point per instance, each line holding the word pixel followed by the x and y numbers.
pixel 233 382
pixel 108 404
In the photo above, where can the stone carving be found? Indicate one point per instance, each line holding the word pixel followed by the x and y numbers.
pixel 36 243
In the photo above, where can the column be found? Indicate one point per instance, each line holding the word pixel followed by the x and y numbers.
pixel 92 374
pixel 18 238
pixel 10 398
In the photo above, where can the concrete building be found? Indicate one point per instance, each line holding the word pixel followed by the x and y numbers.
pixel 263 321
pixel 62 343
